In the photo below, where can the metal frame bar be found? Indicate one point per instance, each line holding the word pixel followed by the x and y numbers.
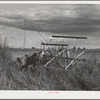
pixel 54 44
pixel 74 37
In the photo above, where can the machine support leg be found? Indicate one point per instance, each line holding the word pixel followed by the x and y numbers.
pixel 67 56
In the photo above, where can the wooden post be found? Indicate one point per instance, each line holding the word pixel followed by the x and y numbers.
pixel 24 34
pixel 61 50
pixel 43 47
pixel 67 56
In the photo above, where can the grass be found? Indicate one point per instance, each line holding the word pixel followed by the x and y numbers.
pixel 84 76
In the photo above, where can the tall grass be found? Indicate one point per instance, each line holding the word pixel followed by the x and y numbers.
pixel 84 76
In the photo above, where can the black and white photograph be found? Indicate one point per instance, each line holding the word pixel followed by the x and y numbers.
pixel 50 47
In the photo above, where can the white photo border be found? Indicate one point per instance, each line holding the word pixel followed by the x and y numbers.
pixel 4 94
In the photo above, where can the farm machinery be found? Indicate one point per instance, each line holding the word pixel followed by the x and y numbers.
pixel 56 55
pixel 64 56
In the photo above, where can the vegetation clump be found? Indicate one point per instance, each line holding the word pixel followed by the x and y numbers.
pixel 84 76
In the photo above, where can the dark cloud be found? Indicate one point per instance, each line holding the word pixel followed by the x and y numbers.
pixel 77 26
pixel 77 20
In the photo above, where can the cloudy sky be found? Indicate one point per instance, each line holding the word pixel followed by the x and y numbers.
pixel 48 20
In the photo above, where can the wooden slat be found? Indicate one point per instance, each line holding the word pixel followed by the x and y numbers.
pixel 74 37
pixel 53 44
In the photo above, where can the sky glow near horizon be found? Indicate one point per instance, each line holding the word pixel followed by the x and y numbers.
pixel 48 20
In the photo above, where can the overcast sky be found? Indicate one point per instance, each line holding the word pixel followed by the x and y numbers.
pixel 48 20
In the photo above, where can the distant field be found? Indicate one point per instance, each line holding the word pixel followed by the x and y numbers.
pixel 81 76
pixel 20 53
pixel 92 55
pixel 88 55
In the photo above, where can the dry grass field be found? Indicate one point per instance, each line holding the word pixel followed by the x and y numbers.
pixel 84 76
